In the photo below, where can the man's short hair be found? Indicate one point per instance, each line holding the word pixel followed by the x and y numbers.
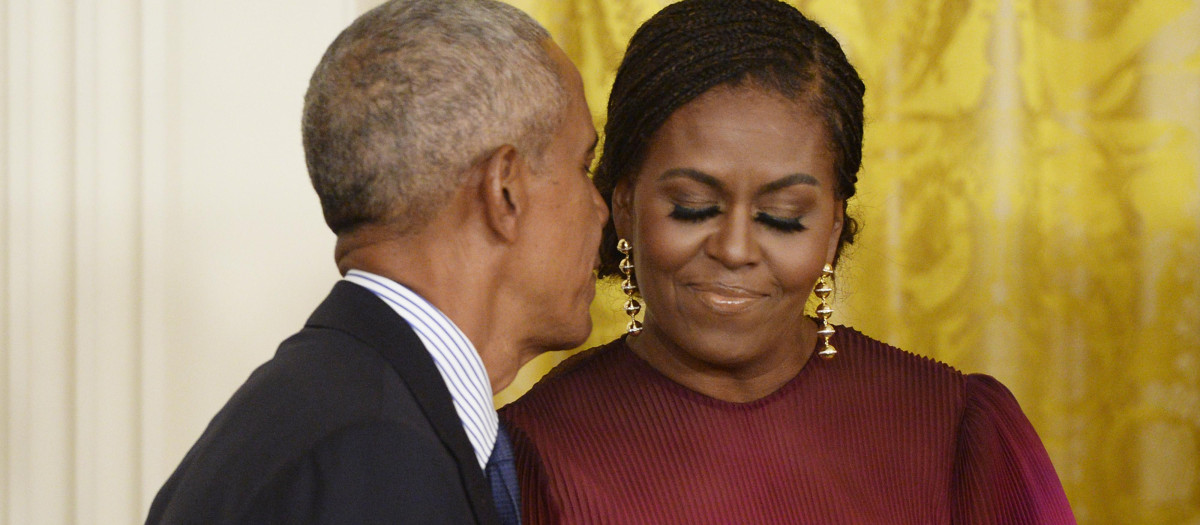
pixel 415 92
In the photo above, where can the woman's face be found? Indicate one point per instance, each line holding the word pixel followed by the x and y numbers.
pixel 732 217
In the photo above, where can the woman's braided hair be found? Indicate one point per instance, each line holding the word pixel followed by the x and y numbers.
pixel 692 46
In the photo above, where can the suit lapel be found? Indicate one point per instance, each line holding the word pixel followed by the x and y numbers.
pixel 357 311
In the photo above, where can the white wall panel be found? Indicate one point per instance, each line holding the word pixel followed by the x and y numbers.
pixel 245 255
pixel 159 233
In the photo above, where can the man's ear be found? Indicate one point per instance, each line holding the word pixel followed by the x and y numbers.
pixel 622 208
pixel 504 190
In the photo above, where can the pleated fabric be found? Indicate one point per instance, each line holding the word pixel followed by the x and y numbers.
pixel 876 435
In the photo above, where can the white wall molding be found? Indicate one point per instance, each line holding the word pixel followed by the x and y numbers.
pixel 107 263
pixel 41 426
pixel 13 43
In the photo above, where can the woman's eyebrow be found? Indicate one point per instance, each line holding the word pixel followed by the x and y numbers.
pixel 789 180
pixel 693 174
pixel 711 181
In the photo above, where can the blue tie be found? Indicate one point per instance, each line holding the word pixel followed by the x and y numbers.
pixel 503 475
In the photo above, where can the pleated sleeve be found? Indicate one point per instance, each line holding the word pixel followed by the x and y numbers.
pixel 1002 473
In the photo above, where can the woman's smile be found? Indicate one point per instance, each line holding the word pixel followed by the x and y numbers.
pixel 725 299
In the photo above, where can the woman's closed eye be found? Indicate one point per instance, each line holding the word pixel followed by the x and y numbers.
pixel 701 213
pixel 694 214
pixel 783 224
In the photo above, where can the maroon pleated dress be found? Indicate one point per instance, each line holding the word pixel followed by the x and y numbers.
pixel 876 435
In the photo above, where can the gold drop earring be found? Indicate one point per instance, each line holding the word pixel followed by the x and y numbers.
pixel 823 289
pixel 632 307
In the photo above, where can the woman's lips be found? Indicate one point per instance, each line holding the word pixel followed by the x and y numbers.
pixel 726 299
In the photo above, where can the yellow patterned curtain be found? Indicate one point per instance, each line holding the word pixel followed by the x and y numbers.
pixel 1031 208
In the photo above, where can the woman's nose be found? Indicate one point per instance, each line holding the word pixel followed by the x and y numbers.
pixel 733 243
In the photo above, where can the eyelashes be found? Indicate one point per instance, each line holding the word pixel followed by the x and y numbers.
pixel 687 214
pixel 782 224
pixel 789 224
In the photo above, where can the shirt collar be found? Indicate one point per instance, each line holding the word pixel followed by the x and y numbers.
pixel 456 358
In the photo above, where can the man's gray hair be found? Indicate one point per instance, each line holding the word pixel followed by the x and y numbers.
pixel 415 92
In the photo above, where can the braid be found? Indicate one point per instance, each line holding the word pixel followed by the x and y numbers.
pixel 694 45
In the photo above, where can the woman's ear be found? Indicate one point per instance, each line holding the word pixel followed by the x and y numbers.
pixel 622 208
pixel 835 236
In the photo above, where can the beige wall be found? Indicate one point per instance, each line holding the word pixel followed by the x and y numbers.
pixel 158 236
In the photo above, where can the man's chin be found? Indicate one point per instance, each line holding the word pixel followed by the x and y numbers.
pixel 574 337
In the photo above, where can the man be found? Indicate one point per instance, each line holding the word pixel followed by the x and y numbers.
pixel 449 142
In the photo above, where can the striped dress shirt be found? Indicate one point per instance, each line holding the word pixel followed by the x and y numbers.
pixel 457 361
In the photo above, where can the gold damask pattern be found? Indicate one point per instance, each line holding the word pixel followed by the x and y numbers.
pixel 1031 208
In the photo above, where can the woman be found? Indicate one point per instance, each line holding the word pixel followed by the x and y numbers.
pixel 733 142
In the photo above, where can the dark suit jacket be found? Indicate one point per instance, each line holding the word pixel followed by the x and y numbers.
pixel 348 423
